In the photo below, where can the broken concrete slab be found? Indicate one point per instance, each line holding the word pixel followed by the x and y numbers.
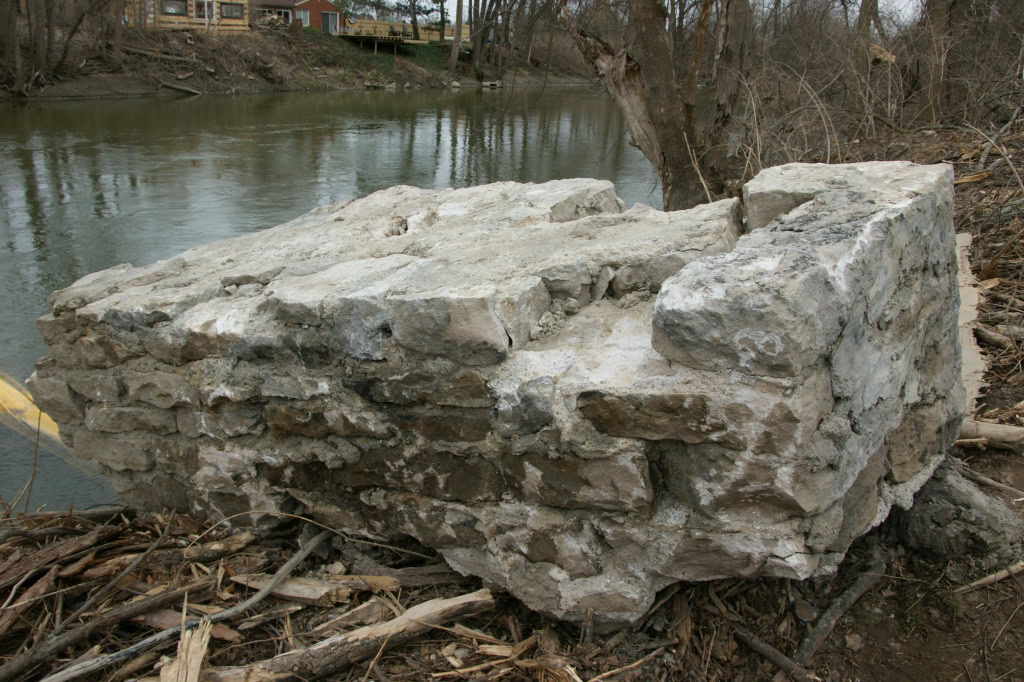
pixel 581 403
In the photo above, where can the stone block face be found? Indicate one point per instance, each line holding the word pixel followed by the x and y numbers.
pixel 580 403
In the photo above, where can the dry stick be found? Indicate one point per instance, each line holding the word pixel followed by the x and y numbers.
pixel 77 671
pixel 103 514
pixel 696 167
pixel 35 458
pixel 988 145
pixel 993 578
pixel 180 88
pixel 376 658
pixel 631 666
pixel 985 480
pixel 992 337
pixel 776 657
pixel 1000 633
pixel 823 628
pixel 1002 436
pixel 157 55
pixel 336 653
pixel 46 651
pixel 14 590
pixel 38 532
pixel 106 589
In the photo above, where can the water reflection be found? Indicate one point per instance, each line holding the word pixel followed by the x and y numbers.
pixel 88 185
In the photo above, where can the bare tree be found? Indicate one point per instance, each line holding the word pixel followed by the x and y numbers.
pixel 656 87
pixel 453 58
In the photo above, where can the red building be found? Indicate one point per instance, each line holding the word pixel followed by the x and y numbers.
pixel 323 15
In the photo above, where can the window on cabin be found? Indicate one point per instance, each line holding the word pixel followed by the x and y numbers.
pixel 203 9
pixel 232 10
pixel 175 7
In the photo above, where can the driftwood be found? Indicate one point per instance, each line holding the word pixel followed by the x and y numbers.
pixel 373 583
pixel 188 664
pixel 993 578
pixel 46 651
pixel 180 88
pixel 103 514
pixel 74 672
pixel 157 55
pixel 776 657
pixel 102 592
pixel 827 622
pixel 337 653
pixel 302 590
pixel 10 615
pixel 985 480
pixel 54 551
pixel 38 532
pixel 161 619
pixel 993 338
pixel 1003 436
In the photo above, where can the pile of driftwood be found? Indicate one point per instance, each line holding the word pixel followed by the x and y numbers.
pixel 113 595
pixel 102 595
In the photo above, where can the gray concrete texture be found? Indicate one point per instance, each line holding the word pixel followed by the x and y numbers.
pixel 580 403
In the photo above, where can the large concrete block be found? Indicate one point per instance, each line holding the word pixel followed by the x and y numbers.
pixel 580 403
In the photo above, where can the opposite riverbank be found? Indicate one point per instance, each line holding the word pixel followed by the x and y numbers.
pixel 183 63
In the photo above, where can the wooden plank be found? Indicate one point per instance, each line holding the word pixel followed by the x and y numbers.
pixel 302 590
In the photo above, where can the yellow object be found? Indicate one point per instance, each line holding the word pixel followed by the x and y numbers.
pixel 19 412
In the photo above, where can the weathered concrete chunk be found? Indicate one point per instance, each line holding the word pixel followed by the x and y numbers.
pixel 121 419
pixel 459 388
pixel 580 403
pixel 161 389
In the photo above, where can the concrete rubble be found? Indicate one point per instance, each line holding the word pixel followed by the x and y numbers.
pixel 580 403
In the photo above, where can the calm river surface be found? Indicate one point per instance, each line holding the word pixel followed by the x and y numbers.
pixel 87 185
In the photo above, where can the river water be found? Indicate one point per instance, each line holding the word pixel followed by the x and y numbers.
pixel 88 185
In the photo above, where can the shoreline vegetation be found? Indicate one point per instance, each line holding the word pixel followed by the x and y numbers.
pixel 192 63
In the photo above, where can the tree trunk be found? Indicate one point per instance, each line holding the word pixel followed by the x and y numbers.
pixel 37 20
pixel 735 25
pixel 474 36
pixel 659 108
pixel 51 35
pixel 12 44
pixel 415 24
pixel 453 57
pixel 936 22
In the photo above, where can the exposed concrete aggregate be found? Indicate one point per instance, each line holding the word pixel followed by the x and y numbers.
pixel 578 402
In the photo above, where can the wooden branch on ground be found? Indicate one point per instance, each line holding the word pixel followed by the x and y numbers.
pixel 776 657
pixel 157 55
pixel 337 653
pixel 46 651
pixel 38 532
pixel 180 88
pixel 103 514
pixel 991 337
pixel 10 615
pixel 1002 436
pixel 985 480
pixel 106 589
pixel 976 443
pixel 815 639
pixel 993 578
pixel 53 552
pixel 77 671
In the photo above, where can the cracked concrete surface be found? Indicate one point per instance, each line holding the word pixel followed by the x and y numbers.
pixel 578 402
